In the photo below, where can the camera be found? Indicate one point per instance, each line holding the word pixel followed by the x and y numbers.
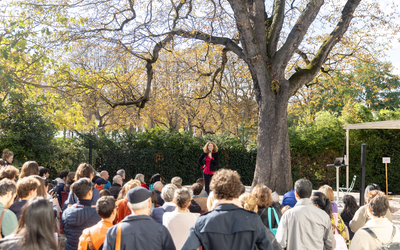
pixel 54 191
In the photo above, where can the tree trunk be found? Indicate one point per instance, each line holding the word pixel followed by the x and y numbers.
pixel 273 153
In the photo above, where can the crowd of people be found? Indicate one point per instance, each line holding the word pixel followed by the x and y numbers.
pixel 216 212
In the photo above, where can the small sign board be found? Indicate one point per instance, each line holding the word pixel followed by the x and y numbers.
pixel 385 159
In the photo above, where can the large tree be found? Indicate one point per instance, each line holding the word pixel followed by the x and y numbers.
pixel 284 44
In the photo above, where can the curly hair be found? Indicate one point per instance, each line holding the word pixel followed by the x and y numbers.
pixel 215 148
pixel 226 184
pixel 263 195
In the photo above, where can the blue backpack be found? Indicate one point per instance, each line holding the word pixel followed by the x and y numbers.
pixel 273 230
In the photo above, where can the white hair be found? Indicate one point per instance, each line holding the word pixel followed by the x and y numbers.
pixel 121 172
pixel 102 173
pixel 275 197
pixel 140 205
pixel 157 184
pixel 168 192
pixel 117 178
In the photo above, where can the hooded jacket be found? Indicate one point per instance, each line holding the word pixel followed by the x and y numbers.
pixel 75 219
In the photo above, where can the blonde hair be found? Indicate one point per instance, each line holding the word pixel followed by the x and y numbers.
pixel 215 148
pixel 139 177
pixel 327 191
pixel 128 186
pixel 249 202
pixel 210 200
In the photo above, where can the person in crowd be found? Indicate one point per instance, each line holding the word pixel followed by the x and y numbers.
pixel 139 231
pixel 116 186
pixel 154 179
pixel 8 191
pixel 197 188
pixel 8 156
pixel 265 209
pixel 275 201
pixel 153 201
pixel 167 194
pixel 122 203
pixel 26 190
pixel 104 192
pixel 84 171
pixel 177 181
pixel 361 216
pixel 203 183
pixel 44 172
pixel 100 183
pixel 94 179
pixel 80 216
pixel 35 228
pixel 104 174
pixel 209 163
pixel 237 228
pixel 29 168
pixel 249 202
pixel 157 188
pixel 289 199
pixel 305 226
pixel 93 237
pixel 3 163
pixel 321 201
pixel 378 230
pixel 328 192
pixel 210 201
pixel 121 173
pixel 285 208
pixel 41 189
pixel 350 208
pixel 9 172
pixel 140 177
pixel 69 181
pixel 61 182
pixel 180 220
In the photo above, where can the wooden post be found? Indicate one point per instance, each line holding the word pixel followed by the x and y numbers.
pixel 386 179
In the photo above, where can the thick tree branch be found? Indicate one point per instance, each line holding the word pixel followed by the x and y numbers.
pixel 297 34
pixel 298 79
pixel 228 43
pixel 278 16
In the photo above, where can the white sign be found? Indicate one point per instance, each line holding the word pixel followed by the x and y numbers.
pixel 386 159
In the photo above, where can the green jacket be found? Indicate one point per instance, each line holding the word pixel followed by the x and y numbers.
pixel 10 222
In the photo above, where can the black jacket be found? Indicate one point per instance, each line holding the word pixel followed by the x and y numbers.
pixel 160 200
pixel 228 227
pixel 263 213
pixel 140 232
pixel 213 163
pixel 114 190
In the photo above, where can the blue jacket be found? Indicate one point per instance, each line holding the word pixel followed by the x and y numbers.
pixel 158 212
pixel 289 199
pixel 75 219
pixel 140 232
pixel 72 199
pixel 228 227
pixel 108 185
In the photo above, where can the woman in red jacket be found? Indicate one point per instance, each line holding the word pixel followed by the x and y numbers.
pixel 209 162
pixel 140 177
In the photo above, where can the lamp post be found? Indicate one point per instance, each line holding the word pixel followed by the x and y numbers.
pixel 243 127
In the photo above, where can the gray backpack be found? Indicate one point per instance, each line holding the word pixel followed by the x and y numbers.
pixel 389 246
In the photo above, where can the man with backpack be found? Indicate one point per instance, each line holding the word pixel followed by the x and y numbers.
pixel 93 237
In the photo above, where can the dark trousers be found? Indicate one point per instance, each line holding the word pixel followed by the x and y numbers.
pixel 207 179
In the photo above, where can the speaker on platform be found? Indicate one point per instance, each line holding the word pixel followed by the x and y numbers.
pixel 362 175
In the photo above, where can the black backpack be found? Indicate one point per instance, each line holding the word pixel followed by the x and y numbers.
pixel 389 246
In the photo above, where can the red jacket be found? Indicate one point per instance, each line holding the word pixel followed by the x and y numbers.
pixel 144 185
pixel 98 187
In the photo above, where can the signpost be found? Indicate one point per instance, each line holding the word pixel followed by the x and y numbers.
pixel 386 160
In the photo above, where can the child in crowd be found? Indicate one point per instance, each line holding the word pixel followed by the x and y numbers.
pixel 100 183
pixel 93 237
